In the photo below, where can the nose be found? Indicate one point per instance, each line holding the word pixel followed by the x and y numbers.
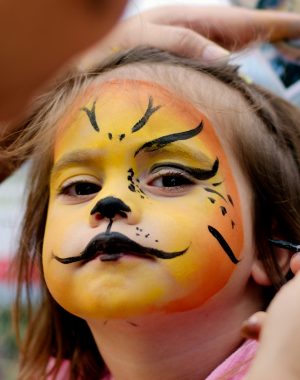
pixel 110 207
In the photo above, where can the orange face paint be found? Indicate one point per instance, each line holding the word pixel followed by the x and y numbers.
pixel 139 143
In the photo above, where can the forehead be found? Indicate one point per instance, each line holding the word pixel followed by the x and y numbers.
pixel 125 109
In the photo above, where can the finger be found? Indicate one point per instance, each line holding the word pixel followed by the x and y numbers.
pixel 252 327
pixel 179 40
pixel 295 263
pixel 232 27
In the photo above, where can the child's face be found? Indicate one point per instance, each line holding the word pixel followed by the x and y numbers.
pixel 143 173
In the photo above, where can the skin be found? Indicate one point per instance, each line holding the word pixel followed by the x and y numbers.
pixel 179 218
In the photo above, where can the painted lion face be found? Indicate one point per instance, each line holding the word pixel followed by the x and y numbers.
pixel 144 212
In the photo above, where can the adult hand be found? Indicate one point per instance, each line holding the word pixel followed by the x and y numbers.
pixel 278 354
pixel 200 32
pixel 253 326
pixel 37 38
pixel 42 37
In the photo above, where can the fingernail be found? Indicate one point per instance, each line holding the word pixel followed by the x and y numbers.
pixel 213 52
pixel 253 320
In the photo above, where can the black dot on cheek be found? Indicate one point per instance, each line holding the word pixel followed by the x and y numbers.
pixel 122 136
pixel 142 197
pixel 156 241
pixel 138 234
pixel 223 210
pixel 110 136
pixel 131 187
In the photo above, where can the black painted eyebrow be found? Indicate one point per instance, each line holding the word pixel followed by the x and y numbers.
pixel 92 116
pixel 160 142
pixel 200 174
pixel 149 112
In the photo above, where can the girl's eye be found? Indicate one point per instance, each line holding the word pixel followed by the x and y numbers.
pixel 80 189
pixel 169 179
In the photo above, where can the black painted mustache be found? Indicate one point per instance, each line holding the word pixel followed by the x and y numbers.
pixel 114 245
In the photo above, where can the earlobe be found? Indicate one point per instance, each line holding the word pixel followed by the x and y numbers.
pixel 259 273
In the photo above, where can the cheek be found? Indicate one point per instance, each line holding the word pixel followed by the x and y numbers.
pixel 64 237
pixel 67 230
pixel 206 267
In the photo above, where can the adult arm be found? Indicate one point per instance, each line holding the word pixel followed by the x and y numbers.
pixel 38 37
pixel 278 331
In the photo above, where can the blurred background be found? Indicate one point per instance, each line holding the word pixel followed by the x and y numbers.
pixel 279 71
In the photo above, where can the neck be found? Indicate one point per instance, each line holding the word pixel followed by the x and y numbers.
pixel 178 346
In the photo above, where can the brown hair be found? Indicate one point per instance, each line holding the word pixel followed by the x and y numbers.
pixel 268 150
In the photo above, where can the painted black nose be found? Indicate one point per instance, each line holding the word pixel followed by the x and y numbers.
pixel 110 207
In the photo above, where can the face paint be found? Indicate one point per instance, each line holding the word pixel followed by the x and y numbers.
pixel 92 117
pixel 144 223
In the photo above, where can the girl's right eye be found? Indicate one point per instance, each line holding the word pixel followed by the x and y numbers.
pixel 80 189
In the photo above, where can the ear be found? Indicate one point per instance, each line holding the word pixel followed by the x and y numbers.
pixel 259 274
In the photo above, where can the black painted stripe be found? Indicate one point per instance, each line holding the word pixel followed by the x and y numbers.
pixel 230 199
pixel 209 190
pixel 223 210
pixel 223 243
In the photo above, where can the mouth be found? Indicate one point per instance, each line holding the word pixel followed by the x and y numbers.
pixel 113 246
pixel 114 256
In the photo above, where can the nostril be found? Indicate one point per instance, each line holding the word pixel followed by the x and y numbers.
pixel 98 216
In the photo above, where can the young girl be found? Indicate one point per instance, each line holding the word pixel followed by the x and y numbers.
pixel 152 208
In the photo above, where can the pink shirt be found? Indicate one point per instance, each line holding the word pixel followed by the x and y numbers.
pixel 236 366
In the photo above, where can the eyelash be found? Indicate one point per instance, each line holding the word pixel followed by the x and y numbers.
pixel 164 172
pixel 66 189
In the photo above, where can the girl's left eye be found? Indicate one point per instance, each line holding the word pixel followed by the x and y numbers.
pixel 168 179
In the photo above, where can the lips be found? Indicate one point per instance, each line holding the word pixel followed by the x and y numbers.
pixel 112 246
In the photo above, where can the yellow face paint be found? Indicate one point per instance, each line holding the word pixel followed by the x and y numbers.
pixel 154 172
